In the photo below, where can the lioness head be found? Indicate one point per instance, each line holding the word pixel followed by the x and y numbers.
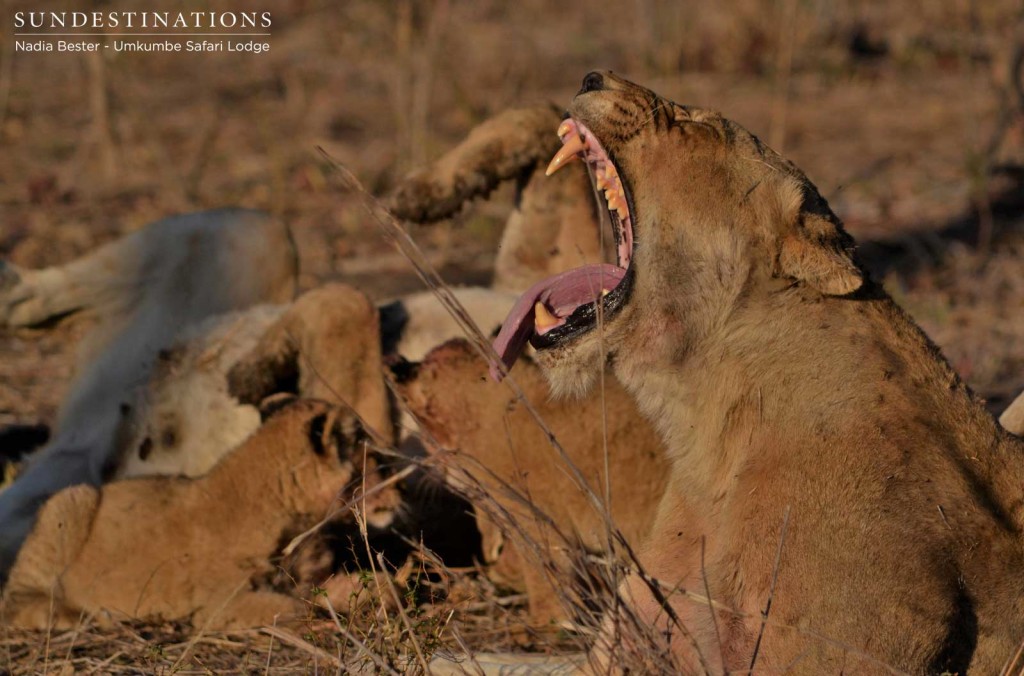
pixel 702 213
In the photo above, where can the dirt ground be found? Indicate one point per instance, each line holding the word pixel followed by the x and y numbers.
pixel 904 114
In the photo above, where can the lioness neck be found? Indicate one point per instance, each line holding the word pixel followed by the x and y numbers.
pixel 794 368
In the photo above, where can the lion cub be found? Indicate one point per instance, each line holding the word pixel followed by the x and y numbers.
pixel 173 548
pixel 491 447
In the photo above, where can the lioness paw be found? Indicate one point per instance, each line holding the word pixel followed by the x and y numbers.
pixel 14 291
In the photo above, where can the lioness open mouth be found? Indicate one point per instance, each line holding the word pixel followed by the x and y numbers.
pixel 566 306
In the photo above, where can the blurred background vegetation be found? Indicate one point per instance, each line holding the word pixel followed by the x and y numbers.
pixel 907 115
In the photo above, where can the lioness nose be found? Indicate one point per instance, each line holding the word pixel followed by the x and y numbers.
pixel 592 82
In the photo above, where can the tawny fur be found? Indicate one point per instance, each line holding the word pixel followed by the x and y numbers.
pixel 497 150
pixel 480 429
pixel 553 225
pixel 148 293
pixel 328 344
pixel 202 399
pixel 784 381
pixel 158 385
pixel 142 291
pixel 196 545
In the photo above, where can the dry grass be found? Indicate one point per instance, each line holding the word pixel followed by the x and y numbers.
pixel 160 649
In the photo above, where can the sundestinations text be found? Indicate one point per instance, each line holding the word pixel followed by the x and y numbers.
pixel 193 20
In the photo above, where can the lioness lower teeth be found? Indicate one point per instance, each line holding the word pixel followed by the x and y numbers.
pixel 542 318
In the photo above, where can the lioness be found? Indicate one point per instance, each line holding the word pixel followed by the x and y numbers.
pixel 826 460
pixel 172 305
pixel 325 345
pixel 143 290
pixel 197 546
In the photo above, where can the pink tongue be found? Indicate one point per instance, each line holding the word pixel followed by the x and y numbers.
pixel 562 294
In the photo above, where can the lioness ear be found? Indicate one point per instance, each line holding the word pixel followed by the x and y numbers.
pixel 819 253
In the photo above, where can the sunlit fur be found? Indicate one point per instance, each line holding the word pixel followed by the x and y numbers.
pixel 142 291
pixel 170 548
pixel 492 448
pixel 784 381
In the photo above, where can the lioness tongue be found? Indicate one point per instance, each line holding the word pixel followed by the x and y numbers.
pixel 561 295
